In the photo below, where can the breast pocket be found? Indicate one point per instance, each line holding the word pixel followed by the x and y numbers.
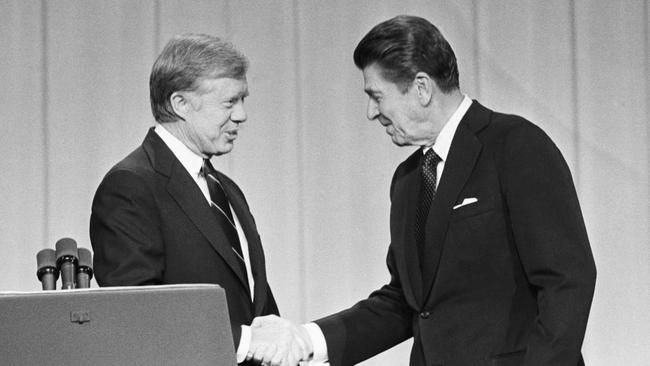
pixel 481 205
pixel 477 233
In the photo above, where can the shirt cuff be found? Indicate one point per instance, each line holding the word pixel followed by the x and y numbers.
pixel 318 342
pixel 245 343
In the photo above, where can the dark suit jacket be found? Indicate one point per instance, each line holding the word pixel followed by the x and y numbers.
pixel 513 274
pixel 151 224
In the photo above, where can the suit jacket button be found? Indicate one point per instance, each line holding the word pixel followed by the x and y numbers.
pixel 424 314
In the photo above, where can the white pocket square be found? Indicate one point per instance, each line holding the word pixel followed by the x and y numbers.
pixel 466 201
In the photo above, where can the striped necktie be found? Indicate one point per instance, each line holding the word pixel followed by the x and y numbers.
pixel 221 207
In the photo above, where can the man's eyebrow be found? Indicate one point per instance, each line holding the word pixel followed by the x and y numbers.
pixel 240 95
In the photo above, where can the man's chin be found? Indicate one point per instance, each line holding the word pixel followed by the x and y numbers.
pixel 397 141
pixel 224 149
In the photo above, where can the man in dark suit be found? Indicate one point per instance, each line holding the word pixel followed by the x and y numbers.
pixel 164 215
pixel 489 258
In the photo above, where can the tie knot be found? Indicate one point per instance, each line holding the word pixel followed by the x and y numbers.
pixel 207 168
pixel 431 159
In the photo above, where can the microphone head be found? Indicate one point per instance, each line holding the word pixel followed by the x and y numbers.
pixel 46 258
pixel 85 258
pixel 66 247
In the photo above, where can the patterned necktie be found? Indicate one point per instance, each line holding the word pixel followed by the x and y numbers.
pixel 221 207
pixel 427 195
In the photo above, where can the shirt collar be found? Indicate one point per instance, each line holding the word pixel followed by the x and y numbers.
pixel 192 162
pixel 446 135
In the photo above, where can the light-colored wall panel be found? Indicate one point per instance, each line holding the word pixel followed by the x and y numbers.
pixel 194 16
pixel 342 151
pixel 23 144
pixel 525 65
pixel 98 58
pixel 613 146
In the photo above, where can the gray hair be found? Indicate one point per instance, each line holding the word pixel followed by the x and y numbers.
pixel 184 63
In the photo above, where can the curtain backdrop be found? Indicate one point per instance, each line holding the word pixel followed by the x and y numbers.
pixel 74 97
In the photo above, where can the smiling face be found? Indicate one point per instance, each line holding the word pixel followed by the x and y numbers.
pixel 213 114
pixel 401 113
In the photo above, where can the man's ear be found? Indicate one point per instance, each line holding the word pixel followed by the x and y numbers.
pixel 424 87
pixel 181 104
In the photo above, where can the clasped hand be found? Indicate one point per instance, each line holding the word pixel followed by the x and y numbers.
pixel 278 342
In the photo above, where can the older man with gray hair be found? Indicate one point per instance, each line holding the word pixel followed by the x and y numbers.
pixel 164 215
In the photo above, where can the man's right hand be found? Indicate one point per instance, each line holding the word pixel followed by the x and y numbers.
pixel 278 342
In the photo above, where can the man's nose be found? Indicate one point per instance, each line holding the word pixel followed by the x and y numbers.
pixel 239 113
pixel 373 111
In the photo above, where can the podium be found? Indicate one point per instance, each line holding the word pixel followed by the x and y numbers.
pixel 144 325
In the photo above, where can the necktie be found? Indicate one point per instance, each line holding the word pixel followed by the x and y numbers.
pixel 221 207
pixel 427 195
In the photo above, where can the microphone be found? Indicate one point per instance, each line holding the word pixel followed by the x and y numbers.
pixel 66 262
pixel 85 268
pixel 47 271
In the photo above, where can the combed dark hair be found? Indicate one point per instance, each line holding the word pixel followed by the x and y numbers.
pixel 405 45
pixel 184 63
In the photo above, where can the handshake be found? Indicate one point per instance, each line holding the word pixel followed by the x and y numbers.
pixel 278 342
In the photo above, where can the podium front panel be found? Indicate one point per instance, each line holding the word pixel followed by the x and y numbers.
pixel 146 325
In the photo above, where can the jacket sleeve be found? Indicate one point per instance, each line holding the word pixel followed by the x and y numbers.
pixel 552 242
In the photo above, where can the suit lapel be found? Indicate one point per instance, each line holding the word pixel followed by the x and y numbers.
pixel 189 197
pixel 464 151
pixel 255 251
pixel 405 199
